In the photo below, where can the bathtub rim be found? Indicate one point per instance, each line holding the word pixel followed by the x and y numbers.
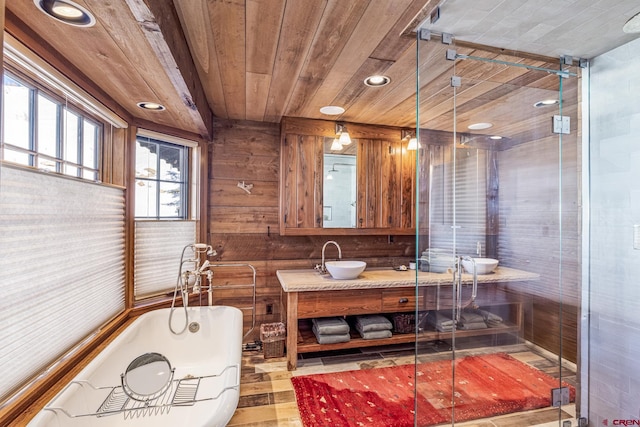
pixel 37 394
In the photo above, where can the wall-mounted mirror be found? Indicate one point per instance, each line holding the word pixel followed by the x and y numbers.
pixel 365 187
pixel 340 190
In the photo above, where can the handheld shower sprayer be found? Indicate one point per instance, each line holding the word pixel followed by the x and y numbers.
pixel 200 248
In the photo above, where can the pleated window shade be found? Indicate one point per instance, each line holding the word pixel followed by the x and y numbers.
pixel 158 246
pixel 470 199
pixel 62 273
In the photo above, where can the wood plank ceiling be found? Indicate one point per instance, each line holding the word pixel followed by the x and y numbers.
pixel 262 60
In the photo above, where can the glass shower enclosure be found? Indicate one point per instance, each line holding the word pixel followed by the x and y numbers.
pixel 498 182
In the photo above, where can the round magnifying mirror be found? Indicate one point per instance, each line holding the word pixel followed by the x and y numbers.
pixel 147 376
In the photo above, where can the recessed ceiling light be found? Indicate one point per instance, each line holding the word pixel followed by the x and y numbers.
pixel 632 25
pixel 377 81
pixel 480 126
pixel 66 11
pixel 495 137
pixel 545 103
pixel 152 106
pixel 332 110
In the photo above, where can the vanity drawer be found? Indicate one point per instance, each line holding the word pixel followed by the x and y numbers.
pixel 399 300
pixel 338 303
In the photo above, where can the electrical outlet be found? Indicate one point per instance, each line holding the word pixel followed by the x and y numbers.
pixel 560 396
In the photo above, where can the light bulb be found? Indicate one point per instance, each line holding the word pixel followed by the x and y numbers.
pixel 345 139
pixel 66 10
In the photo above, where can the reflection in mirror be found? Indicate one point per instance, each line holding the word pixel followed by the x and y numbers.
pixel 339 185
pixel 147 377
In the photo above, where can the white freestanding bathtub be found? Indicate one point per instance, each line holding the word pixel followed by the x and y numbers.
pixel 203 391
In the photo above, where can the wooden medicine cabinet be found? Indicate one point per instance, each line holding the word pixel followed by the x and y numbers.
pixel 367 187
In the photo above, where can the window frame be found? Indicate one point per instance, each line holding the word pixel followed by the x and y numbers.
pixel 63 108
pixel 184 182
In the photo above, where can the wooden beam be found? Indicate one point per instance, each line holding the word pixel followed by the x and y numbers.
pixel 130 216
pixel 159 22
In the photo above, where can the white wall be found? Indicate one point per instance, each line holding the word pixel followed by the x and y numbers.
pixel 614 341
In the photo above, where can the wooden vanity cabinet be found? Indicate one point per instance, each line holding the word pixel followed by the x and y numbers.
pixel 303 306
pixel 385 173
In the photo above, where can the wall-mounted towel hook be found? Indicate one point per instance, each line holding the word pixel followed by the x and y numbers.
pixel 245 187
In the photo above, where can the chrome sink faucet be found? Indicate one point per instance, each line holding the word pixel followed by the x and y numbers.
pixel 322 267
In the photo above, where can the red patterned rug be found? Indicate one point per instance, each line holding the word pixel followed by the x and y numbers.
pixel 486 386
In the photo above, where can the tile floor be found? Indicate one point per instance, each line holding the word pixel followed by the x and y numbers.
pixel 267 398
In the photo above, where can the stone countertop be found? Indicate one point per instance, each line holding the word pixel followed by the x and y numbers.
pixel 305 280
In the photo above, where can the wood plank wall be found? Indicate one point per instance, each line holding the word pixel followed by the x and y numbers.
pixel 244 228
pixel 540 230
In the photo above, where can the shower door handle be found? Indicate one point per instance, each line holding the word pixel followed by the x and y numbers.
pixel 457 288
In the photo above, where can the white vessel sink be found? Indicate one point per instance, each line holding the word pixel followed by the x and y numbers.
pixel 345 270
pixel 483 265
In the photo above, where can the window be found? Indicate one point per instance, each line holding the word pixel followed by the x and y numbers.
pixel 75 228
pixel 161 179
pixel 166 171
pixel 42 131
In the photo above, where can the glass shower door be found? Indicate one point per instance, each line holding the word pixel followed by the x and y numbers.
pixel 497 184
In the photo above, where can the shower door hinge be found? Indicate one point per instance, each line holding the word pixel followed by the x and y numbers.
pixel 561 124
pixel 424 34
pixel 451 55
pixel 559 396
pixel 456 81
pixel 566 59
